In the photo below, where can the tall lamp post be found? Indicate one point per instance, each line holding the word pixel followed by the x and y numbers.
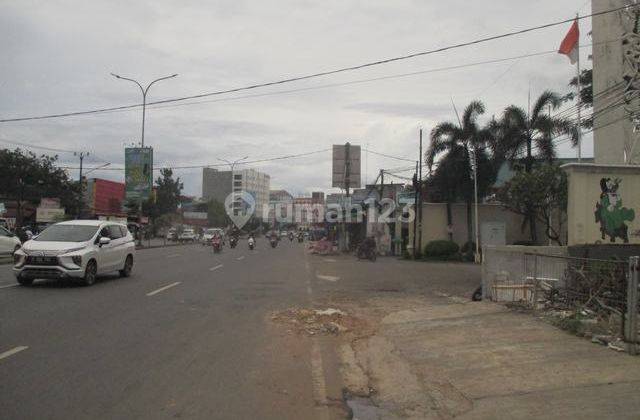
pixel 144 111
pixel 144 96
pixel 232 164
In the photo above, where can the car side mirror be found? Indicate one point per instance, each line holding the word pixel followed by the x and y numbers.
pixel 104 240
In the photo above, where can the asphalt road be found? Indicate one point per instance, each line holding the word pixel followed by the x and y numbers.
pixel 187 336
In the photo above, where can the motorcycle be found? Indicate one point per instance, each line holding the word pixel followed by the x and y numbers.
pixel 216 243
pixel 252 243
pixel 291 237
pixel 233 242
pixel 273 242
pixel 300 238
pixel 367 250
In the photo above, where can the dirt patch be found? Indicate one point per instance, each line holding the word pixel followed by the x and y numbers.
pixel 328 321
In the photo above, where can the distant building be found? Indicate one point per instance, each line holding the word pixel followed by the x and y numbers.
pixel 218 185
pixel 280 196
pixel 317 197
pixel 334 198
pixel 104 198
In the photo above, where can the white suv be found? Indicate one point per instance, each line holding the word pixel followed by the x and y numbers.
pixel 77 249
pixel 9 243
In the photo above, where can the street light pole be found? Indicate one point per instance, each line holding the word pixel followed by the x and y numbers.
pixel 144 96
pixel 144 112
pixel 81 155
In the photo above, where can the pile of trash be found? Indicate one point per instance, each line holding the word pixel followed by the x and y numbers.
pixel 317 321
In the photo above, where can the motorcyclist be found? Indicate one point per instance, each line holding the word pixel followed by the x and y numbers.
pixel 216 240
pixel 368 245
pixel 251 240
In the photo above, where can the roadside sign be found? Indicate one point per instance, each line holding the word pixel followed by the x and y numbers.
pixel 138 172
pixel 341 165
pixel 406 198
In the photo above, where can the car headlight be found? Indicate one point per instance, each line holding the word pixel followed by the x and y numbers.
pixel 77 259
pixel 72 262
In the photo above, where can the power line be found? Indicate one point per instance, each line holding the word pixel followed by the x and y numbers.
pixel 389 156
pixel 328 72
pixel 51 149
pixel 215 164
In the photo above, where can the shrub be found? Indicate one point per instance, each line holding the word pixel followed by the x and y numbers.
pixel 442 250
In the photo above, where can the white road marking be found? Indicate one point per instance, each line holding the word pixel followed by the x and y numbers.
pixel 6 286
pixel 317 379
pixel 240 258
pixel 163 288
pixel 216 267
pixel 173 255
pixel 331 260
pixel 327 278
pixel 12 351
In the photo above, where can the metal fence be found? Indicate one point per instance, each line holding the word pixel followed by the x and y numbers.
pixel 604 289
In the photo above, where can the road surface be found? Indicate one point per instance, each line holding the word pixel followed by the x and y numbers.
pixel 187 336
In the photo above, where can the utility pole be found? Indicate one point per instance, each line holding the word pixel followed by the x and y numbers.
pixel 420 194
pixel 415 206
pixel 81 155
pixel 347 184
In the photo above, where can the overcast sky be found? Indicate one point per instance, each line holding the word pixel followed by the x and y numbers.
pixel 57 56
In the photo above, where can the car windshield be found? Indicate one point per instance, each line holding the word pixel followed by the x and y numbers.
pixel 67 233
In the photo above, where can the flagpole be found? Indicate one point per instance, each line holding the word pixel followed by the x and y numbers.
pixel 579 85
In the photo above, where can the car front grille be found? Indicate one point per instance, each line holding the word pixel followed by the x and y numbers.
pixel 41 260
pixel 42 273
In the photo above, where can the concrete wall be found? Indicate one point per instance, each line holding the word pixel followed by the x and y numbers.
pixel 615 130
pixel 585 193
pixel 506 264
pixel 434 223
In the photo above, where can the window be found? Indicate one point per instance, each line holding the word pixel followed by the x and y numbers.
pixel 115 232
pixel 67 233
pixel 4 232
pixel 124 231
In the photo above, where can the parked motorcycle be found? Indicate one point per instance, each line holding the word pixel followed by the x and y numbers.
pixel 367 250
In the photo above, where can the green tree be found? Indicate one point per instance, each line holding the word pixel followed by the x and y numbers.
pixel 456 144
pixel 168 192
pixel 24 177
pixel 216 214
pixel 586 94
pixel 523 130
pixel 543 193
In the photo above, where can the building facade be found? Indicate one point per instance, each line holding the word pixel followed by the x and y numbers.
pixel 104 198
pixel 218 185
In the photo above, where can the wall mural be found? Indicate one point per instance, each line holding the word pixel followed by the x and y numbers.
pixel 610 213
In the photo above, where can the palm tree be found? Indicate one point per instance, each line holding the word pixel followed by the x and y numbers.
pixel 523 130
pixel 457 142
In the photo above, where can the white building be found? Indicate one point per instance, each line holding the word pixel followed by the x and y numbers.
pixel 218 185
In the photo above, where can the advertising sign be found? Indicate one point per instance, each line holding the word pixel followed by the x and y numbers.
pixel 406 198
pixel 138 172
pixel 346 171
pixel 49 214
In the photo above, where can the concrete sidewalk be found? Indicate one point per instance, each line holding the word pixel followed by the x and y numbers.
pixel 442 357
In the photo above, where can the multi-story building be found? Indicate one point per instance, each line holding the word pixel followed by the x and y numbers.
pixel 219 184
pixel 317 197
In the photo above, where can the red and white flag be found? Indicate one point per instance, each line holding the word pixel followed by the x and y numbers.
pixel 571 42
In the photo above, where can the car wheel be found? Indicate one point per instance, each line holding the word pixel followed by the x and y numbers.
pixel 25 281
pixel 90 273
pixel 128 266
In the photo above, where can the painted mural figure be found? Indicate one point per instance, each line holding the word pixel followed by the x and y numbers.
pixel 610 213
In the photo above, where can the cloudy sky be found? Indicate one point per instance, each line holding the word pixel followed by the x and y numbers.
pixel 58 56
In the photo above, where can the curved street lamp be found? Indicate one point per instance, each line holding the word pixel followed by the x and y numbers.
pixel 144 95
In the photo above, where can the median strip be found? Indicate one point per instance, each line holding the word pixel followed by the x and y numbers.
pixel 169 286
pixel 12 352
pixel 216 267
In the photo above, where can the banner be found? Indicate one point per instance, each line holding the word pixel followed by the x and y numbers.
pixel 138 172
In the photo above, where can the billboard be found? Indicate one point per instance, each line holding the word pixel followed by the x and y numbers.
pixel 341 165
pixel 138 172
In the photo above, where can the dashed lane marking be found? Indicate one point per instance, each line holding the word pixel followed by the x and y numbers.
pixel 327 278
pixel 13 351
pixel 216 267
pixel 240 258
pixel 169 286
